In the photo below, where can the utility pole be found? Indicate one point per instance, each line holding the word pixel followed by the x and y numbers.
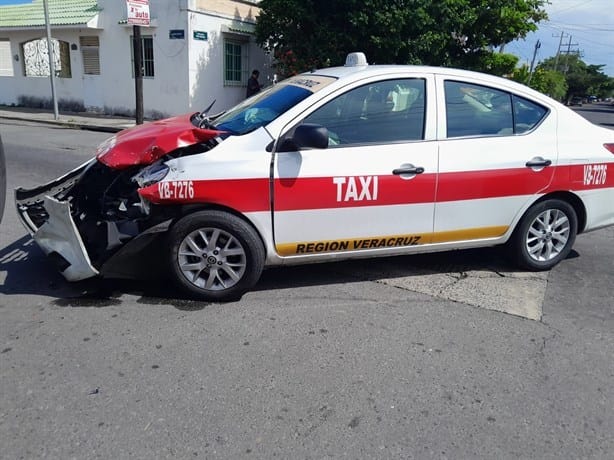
pixel 56 114
pixel 138 72
pixel 558 50
pixel 568 52
pixel 138 14
pixel 537 46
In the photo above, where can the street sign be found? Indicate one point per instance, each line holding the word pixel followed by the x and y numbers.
pixel 176 34
pixel 200 35
pixel 138 12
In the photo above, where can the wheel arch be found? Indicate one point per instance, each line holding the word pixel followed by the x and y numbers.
pixel 573 200
pixel 187 209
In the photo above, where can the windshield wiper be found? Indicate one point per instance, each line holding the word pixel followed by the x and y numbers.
pixel 203 119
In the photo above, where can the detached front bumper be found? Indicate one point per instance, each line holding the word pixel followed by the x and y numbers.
pixel 45 212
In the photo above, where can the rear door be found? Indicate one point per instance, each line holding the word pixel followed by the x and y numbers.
pixel 497 156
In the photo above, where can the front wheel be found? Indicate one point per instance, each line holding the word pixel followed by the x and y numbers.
pixel 544 235
pixel 215 255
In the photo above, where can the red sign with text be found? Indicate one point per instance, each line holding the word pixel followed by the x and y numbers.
pixel 138 12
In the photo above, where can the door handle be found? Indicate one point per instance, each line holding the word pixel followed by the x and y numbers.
pixel 408 170
pixel 538 162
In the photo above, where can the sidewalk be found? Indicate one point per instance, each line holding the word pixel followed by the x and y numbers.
pixel 81 120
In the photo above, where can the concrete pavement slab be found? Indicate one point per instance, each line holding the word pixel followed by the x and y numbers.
pixel 462 276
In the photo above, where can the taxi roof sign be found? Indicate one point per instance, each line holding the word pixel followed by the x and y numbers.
pixel 356 59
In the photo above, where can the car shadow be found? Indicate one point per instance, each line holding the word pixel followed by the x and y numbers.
pixel 29 273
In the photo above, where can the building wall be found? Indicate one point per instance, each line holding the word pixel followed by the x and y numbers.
pixel 188 72
pixel 239 9
pixel 167 92
pixel 206 62
pixel 11 88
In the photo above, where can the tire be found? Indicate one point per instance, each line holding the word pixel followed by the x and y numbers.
pixel 544 236
pixel 215 256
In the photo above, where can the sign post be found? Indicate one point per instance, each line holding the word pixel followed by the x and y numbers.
pixel 138 15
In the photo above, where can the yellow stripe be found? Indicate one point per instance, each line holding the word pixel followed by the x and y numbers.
pixel 390 241
pixel 469 234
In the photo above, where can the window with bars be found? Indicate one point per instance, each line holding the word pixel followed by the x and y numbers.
pixel 36 58
pixel 147 55
pixel 90 52
pixel 235 63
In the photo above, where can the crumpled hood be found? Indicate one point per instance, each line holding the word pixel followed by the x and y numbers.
pixel 144 144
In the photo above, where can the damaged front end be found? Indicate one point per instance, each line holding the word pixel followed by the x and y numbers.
pixel 91 219
pixel 84 219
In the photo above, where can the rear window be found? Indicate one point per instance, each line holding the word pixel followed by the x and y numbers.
pixel 527 114
pixel 476 110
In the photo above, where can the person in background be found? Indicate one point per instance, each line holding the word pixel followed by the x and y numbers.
pixel 252 84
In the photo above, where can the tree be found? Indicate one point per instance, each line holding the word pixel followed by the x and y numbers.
pixel 501 64
pixel 547 81
pixel 446 32
pixel 582 79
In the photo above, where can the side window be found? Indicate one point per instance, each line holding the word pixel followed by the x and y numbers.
pixel 147 55
pixel 6 59
pixel 235 63
pixel 381 112
pixel 475 110
pixel 527 114
pixel 90 53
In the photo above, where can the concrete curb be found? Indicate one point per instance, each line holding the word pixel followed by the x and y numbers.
pixel 73 121
pixel 68 124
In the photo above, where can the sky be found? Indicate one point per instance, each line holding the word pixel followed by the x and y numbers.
pixel 589 23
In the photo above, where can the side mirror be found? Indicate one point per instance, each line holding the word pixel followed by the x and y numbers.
pixel 309 136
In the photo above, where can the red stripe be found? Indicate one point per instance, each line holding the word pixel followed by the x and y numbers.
pixel 322 192
pixel 472 185
pixel 577 177
pixel 251 195
pixel 243 195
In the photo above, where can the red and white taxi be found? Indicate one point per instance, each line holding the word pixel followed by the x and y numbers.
pixel 355 161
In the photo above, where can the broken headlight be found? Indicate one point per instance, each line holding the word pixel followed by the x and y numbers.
pixel 151 174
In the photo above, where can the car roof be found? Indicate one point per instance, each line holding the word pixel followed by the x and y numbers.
pixel 365 71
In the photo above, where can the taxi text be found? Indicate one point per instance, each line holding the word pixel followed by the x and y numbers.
pixel 361 188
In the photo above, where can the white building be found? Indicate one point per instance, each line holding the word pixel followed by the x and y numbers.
pixel 194 51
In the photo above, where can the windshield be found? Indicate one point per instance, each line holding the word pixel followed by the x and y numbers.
pixel 266 106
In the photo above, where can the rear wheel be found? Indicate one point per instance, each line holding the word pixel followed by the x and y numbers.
pixel 544 235
pixel 215 255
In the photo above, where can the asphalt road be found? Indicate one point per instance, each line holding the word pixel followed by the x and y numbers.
pixel 389 358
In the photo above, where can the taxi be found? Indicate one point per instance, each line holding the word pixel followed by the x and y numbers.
pixel 337 163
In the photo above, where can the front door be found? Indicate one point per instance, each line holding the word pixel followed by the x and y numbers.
pixel 373 188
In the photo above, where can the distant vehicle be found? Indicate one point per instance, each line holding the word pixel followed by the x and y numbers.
pixel 2 179
pixel 337 163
